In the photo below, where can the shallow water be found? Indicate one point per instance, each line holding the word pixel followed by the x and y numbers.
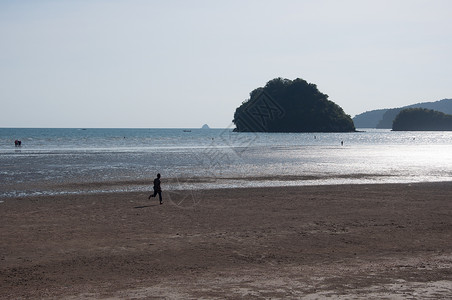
pixel 54 161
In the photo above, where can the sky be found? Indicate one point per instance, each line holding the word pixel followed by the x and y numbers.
pixel 182 64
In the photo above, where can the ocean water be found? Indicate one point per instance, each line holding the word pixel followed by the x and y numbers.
pixel 64 161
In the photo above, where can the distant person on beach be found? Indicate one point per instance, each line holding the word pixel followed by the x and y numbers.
pixel 157 188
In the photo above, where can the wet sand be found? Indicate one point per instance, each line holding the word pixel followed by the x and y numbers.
pixel 344 241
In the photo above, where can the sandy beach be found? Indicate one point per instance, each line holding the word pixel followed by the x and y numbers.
pixel 390 241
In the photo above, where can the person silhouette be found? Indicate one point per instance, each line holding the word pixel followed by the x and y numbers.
pixel 157 189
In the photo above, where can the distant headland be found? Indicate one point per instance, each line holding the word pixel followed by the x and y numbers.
pixel 422 119
pixel 383 118
pixel 284 105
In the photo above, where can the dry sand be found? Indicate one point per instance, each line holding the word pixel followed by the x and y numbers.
pixel 344 242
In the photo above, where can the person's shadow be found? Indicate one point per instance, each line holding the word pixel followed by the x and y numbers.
pixel 144 206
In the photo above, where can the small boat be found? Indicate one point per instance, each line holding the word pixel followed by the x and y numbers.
pixel 186 130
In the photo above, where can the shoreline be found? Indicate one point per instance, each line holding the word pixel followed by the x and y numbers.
pixel 344 241
pixel 179 184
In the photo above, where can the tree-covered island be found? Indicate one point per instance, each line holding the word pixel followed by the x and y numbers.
pixel 284 105
pixel 422 119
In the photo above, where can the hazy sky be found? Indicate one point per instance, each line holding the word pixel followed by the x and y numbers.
pixel 186 63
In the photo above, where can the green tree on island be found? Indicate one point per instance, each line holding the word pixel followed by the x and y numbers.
pixel 422 119
pixel 284 105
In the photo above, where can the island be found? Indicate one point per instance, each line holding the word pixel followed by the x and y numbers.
pixel 284 105
pixel 205 126
pixel 422 119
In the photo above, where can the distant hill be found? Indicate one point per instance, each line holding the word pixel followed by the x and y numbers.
pixel 369 119
pixel 383 118
pixel 422 119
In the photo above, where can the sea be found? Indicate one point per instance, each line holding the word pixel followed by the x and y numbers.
pixel 86 160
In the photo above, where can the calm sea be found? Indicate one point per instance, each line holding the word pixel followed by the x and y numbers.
pixel 59 161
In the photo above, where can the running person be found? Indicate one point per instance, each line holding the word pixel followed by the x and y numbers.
pixel 157 189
